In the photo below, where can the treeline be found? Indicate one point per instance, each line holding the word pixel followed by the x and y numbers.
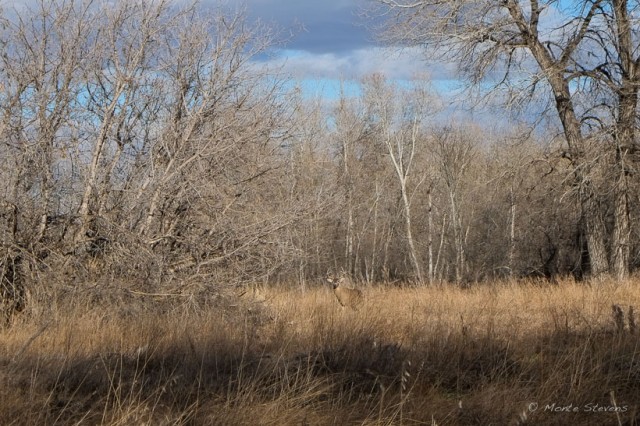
pixel 145 144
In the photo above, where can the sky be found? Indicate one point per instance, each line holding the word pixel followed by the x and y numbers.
pixel 330 45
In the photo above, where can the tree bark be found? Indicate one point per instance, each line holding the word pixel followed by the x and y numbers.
pixel 624 138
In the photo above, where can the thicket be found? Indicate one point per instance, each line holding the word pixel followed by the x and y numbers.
pixel 147 142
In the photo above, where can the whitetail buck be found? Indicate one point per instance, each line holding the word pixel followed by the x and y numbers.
pixel 347 297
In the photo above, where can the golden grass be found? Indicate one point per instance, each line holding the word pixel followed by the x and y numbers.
pixel 503 353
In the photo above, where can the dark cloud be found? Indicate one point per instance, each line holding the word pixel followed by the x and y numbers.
pixel 331 40
pixel 318 26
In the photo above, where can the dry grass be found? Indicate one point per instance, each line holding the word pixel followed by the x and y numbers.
pixel 446 356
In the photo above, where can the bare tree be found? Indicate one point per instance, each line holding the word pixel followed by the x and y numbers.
pixel 454 151
pixel 144 131
pixel 582 55
pixel 401 127
pixel 351 129
pixel 45 53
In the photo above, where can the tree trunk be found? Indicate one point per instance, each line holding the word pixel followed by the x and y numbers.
pixel 624 136
pixel 622 229
pixel 512 233
pixel 457 237
pixel 595 230
pixel 410 242
pixel 430 235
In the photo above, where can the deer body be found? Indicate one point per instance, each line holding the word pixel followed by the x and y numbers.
pixel 347 297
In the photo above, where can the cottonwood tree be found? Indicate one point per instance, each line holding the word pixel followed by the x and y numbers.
pixel 350 131
pixel 581 58
pixel 364 176
pixel 310 185
pixel 400 125
pixel 454 152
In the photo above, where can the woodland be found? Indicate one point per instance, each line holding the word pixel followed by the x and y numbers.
pixel 148 142
pixel 172 205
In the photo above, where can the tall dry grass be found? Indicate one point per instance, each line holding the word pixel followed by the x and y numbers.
pixel 506 353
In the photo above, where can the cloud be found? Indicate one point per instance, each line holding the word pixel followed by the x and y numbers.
pixel 327 26
pixel 395 64
pixel 331 41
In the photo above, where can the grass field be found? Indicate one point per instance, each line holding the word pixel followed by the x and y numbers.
pixel 504 353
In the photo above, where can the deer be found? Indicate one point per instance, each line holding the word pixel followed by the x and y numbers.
pixel 347 297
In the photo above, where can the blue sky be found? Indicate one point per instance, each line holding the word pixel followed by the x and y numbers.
pixel 331 46
pixel 328 44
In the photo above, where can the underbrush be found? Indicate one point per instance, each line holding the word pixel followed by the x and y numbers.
pixel 507 353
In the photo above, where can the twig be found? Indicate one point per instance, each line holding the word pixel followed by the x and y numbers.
pixel 30 341
pixel 142 293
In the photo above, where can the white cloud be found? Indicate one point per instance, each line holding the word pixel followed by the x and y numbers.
pixel 395 64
